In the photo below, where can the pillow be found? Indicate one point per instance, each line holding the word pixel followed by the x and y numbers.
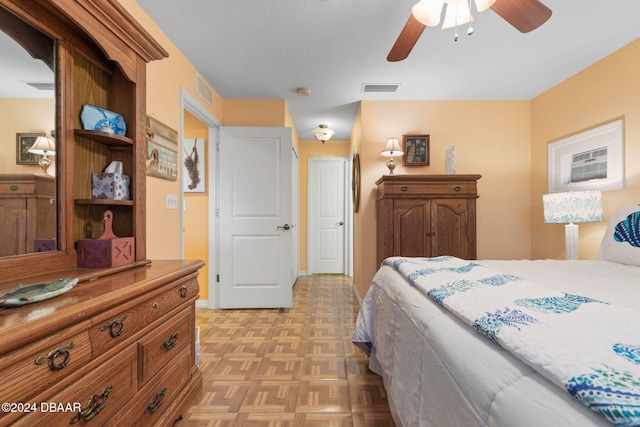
pixel 621 241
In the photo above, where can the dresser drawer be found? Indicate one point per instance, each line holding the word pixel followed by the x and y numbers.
pixel 116 326
pixel 37 366
pixel 432 188
pixel 99 395
pixel 157 348
pixel 8 188
pixel 153 399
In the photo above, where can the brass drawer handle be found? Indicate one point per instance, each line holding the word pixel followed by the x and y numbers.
pixel 115 326
pixel 156 402
pixel 63 351
pixel 456 187
pixel 13 187
pixel 170 342
pixel 96 403
pixel 182 290
pixel 404 188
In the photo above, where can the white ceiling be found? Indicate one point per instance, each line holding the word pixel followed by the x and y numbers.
pixel 265 49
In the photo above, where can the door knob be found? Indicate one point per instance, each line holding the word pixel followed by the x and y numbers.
pixel 284 227
pixel 340 223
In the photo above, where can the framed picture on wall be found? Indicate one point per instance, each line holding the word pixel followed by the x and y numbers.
pixel 24 141
pixel 416 150
pixel 193 172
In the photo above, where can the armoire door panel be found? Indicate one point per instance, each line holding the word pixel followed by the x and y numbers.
pixel 411 222
pixel 449 225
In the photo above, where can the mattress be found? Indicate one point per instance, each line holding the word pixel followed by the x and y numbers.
pixel 438 371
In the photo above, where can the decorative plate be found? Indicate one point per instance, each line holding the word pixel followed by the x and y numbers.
pixel 27 294
pixel 96 118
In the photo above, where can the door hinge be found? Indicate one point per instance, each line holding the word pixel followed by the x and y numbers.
pixel 218 147
pixel 217 278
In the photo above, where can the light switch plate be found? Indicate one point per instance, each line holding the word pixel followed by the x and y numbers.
pixel 171 201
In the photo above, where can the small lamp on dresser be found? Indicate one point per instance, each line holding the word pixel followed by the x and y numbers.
pixel 392 149
pixel 569 208
pixel 44 146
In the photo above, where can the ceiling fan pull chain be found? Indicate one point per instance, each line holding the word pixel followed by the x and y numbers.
pixel 470 29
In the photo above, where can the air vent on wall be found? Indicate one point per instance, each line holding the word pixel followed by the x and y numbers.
pixel 204 90
pixel 367 87
pixel 42 85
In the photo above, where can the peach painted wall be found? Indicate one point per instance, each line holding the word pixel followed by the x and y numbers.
pixel 492 138
pixel 165 78
pixel 313 148
pixel 607 90
pixel 196 217
pixel 23 116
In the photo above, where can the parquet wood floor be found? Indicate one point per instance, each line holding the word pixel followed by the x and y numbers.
pixel 291 369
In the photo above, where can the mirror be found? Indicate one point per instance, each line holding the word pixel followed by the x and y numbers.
pixel 28 108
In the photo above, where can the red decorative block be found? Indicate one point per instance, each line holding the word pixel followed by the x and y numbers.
pixel 108 250
pixel 101 253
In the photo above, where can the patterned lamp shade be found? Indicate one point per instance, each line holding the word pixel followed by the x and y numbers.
pixel 573 206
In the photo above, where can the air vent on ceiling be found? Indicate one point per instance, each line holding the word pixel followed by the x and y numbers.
pixel 42 85
pixel 204 90
pixel 367 87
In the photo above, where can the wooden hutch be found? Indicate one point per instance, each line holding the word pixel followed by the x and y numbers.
pixel 426 216
pixel 118 348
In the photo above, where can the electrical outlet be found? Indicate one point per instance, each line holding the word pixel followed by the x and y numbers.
pixel 171 201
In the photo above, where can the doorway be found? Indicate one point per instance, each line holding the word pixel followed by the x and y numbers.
pixel 191 109
pixel 328 218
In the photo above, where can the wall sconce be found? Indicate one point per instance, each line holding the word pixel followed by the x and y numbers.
pixel 323 133
pixel 570 207
pixel 44 146
pixel 392 149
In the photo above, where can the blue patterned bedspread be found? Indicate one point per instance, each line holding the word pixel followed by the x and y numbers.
pixel 588 347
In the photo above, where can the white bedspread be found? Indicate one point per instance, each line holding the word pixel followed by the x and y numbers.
pixel 441 372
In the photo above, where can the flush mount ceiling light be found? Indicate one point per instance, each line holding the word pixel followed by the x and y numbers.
pixel 323 133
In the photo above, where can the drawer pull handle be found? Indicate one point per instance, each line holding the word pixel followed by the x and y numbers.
pixel 157 401
pixel 115 326
pixel 170 342
pixel 96 403
pixel 13 187
pixel 63 351
pixel 182 290
pixel 456 187
pixel 404 188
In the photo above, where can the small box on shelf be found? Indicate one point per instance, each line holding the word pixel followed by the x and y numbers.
pixel 108 250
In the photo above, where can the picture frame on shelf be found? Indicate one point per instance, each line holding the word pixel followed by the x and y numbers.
pixel 416 150
pixel 24 141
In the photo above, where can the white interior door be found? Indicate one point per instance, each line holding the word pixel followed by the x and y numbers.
pixel 256 220
pixel 326 215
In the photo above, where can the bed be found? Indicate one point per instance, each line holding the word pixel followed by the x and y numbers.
pixel 446 362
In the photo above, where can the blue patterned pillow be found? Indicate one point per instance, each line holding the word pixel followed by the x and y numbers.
pixel 621 242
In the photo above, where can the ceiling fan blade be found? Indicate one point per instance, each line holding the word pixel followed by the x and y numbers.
pixel 406 40
pixel 524 15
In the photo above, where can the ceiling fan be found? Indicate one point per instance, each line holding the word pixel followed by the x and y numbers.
pixel 524 15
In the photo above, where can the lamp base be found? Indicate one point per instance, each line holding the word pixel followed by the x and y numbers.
pixel 391 164
pixel 44 163
pixel 571 240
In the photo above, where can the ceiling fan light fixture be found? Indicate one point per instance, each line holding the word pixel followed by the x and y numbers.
pixel 428 12
pixel 483 5
pixel 457 13
pixel 323 133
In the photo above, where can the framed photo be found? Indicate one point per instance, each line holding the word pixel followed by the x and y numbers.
pixel 24 141
pixel 416 150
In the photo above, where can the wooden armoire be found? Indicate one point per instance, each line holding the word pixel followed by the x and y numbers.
pixel 426 216
pixel 119 348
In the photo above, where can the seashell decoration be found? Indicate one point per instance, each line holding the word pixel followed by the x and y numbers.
pixel 628 230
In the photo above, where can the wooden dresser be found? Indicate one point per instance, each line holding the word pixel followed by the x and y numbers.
pixel 426 216
pixel 27 203
pixel 115 350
